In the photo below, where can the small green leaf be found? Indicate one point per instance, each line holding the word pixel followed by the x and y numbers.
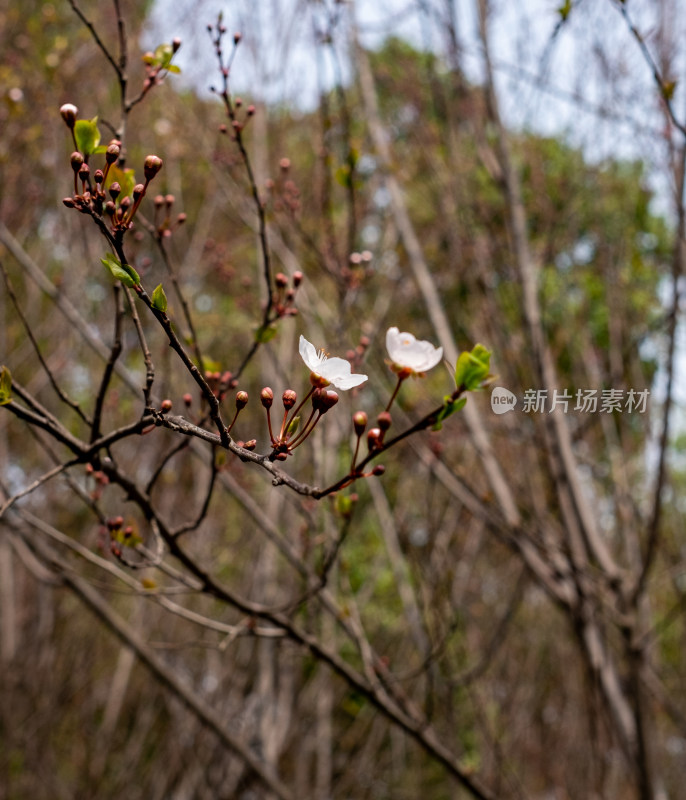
pixel 472 368
pixel 5 386
pixel 173 68
pixel 87 135
pixel 293 426
pixel 163 54
pixel 565 9
pixel 121 272
pixel 343 505
pixel 159 299
pixel 450 407
pixel 265 334
pixel 210 365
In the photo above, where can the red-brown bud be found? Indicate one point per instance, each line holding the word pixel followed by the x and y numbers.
pixel 250 110
pixel 166 406
pixel 115 190
pixel 251 444
pixel 98 176
pixel 241 400
pixel 69 112
pixel 112 153
pixel 188 399
pixel 379 469
pixel 329 399
pixel 297 278
pixel 289 398
pixel 159 201
pixel 76 160
pixel 384 421
pixel 359 422
pixel 176 43
pixel 267 397
pixel 237 37
pixel 281 280
pixel 151 166
pixel 181 219
pixel 69 202
pixel 138 191
pixel 84 172
pixel 374 437
pixel 115 523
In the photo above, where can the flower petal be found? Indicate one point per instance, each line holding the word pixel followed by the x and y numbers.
pixel 308 353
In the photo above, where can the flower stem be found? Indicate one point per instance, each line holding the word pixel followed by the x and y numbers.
pixel 401 378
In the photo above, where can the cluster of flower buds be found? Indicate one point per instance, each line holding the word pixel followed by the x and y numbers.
pixel 220 383
pixel 285 192
pixel 120 535
pixel 283 296
pixel 99 478
pixel 238 118
pixel 356 356
pixel 291 434
pixel 90 192
pixel 157 64
pixel 357 269
pixel 162 220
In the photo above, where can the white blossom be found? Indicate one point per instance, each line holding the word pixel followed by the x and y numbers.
pixel 332 370
pixel 406 352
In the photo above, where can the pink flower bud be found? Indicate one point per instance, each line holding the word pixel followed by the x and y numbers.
pixel 267 397
pixel 112 153
pixel 187 400
pixel 151 166
pixel 115 190
pixel 359 422
pixel 241 400
pixel 384 420
pixel 138 191
pixel 297 278
pixel 76 160
pixel 289 398
pixel 329 399
pixel 379 469
pixel 69 112
pixel 251 444
pixel 281 280
pixel 374 437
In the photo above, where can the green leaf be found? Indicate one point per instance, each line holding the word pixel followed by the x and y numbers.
pixel 159 299
pixel 210 365
pixel 163 54
pixel 5 386
pixel 293 426
pixel 173 68
pixel 449 408
pixel 343 176
pixel 265 334
pixel 87 135
pixel 343 505
pixel 565 9
pixel 126 178
pixel 472 368
pixel 121 272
